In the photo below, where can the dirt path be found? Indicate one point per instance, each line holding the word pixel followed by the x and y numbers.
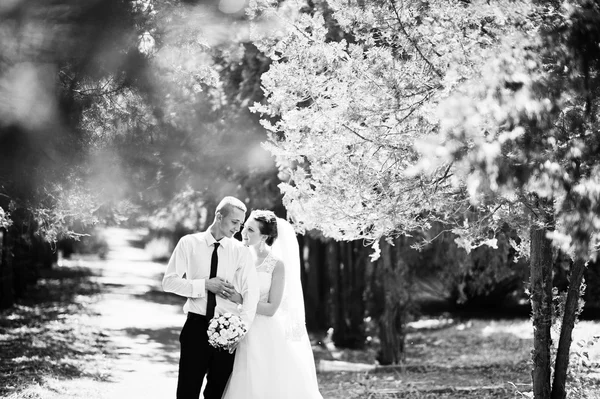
pixel 141 322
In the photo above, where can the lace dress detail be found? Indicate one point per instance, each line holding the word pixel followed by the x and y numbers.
pixel 265 274
pixel 267 265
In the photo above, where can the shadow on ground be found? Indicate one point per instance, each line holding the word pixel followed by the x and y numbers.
pixel 157 344
pixel 161 297
pixel 41 335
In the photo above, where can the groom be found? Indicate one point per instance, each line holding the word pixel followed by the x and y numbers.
pixel 207 268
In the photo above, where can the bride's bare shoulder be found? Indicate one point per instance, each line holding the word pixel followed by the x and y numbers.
pixel 278 264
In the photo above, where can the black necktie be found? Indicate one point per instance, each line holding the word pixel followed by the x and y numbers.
pixel 211 300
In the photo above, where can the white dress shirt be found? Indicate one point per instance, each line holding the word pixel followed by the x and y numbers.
pixel 189 268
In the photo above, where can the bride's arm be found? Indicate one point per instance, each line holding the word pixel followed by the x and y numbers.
pixel 275 293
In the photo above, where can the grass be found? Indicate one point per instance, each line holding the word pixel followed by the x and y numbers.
pixel 44 339
pixel 50 350
pixel 453 359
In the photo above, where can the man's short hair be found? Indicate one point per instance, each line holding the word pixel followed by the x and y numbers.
pixel 224 207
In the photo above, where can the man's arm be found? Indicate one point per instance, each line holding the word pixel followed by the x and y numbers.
pixel 174 280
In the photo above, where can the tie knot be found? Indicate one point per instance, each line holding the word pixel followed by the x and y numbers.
pixel 217 245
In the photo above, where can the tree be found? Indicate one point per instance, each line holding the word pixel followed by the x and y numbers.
pixel 55 59
pixel 131 110
pixel 368 96
pixel 46 83
pixel 528 135
pixel 121 108
pixel 351 88
pixel 520 142
pixel 203 74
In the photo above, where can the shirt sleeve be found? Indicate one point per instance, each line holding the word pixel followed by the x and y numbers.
pixel 248 283
pixel 174 280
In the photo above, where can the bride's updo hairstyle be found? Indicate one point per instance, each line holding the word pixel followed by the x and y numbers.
pixel 267 224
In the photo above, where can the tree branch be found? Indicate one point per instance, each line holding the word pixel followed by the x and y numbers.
pixel 446 175
pixel 395 9
pixel 371 141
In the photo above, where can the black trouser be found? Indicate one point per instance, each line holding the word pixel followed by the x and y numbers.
pixel 198 358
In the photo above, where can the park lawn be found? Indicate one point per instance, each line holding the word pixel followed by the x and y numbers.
pixel 447 358
pixel 453 361
pixel 46 343
pixel 50 350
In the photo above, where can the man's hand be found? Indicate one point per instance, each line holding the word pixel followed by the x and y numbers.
pixel 220 287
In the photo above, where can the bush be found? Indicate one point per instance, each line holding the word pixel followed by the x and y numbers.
pixel 93 244
pixel 482 278
pixel 159 248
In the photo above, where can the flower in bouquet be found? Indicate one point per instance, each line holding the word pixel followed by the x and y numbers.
pixel 225 331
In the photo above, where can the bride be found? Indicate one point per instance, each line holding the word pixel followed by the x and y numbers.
pixel 275 358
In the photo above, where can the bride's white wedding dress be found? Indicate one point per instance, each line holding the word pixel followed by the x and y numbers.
pixel 269 364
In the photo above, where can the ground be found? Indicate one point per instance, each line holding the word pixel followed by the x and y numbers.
pixel 100 329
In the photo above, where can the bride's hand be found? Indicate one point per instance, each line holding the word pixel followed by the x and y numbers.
pixel 233 347
pixel 236 297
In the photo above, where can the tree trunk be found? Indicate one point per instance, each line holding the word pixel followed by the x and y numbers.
pixel 336 286
pixel 568 323
pixel 395 284
pixel 349 323
pixel 7 294
pixel 541 304
pixel 303 265
pixel 357 255
pixel 316 291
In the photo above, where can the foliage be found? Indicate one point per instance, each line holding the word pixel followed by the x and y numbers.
pixel 159 249
pixel 581 357
pixel 58 60
pixel 186 208
pixel 581 365
pixel 137 103
pixel 503 124
pixel 365 79
pixel 525 137
pixel 528 131
pixel 205 143
pixel 484 277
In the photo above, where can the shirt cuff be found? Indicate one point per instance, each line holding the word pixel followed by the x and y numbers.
pixel 198 288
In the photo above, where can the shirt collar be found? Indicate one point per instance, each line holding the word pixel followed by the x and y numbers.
pixel 210 240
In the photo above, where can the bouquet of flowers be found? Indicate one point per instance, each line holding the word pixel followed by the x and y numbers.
pixel 225 331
